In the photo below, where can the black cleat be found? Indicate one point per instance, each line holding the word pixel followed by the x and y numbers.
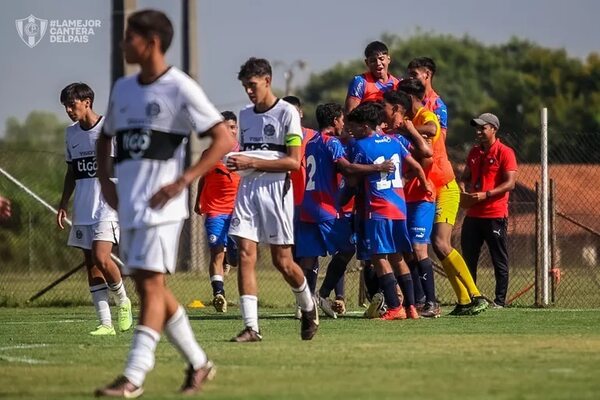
pixel 309 322
pixel 246 336
pixel 431 310
pixel 461 310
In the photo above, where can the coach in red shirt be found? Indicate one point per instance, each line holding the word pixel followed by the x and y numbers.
pixel 489 176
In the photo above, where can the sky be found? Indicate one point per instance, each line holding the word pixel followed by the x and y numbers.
pixel 319 32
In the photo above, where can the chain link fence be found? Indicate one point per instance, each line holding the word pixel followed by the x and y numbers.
pixel 34 254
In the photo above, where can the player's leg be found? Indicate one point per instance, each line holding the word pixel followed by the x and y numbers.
pixel 471 240
pixel 248 290
pixel 217 228
pixel 496 240
pixel 106 234
pixel 411 260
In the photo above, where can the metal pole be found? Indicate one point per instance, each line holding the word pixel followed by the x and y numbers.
pixel 545 213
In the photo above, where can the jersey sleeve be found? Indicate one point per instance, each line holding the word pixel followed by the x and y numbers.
pixel 335 149
pixel 198 112
pixel 441 111
pixel 404 141
pixel 357 87
pixel 291 123
pixel 403 151
pixel 508 160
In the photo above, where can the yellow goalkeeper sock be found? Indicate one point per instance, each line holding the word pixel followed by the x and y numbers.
pixel 461 271
pixel 461 291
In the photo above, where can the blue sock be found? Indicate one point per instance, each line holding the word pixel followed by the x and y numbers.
pixel 218 287
pixel 427 279
pixel 311 276
pixel 406 284
pixel 371 281
pixel 388 283
pixel 418 288
pixel 340 288
pixel 334 275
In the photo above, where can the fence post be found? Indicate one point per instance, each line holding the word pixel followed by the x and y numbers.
pixel 553 248
pixel 538 245
pixel 545 242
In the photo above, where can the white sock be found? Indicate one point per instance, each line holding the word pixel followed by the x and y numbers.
pixel 100 300
pixel 141 355
pixel 118 290
pixel 216 278
pixel 249 309
pixel 303 297
pixel 180 334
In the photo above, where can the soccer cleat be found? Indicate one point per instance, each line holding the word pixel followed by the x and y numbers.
pixel 393 314
pixel 194 379
pixel 496 305
pixel 461 310
pixel 478 305
pixel 309 324
pixel 375 309
pixel 121 387
pixel 246 336
pixel 325 305
pixel 412 313
pixel 419 306
pixel 124 316
pixel 103 330
pixel 339 306
pixel 298 313
pixel 220 303
pixel 431 310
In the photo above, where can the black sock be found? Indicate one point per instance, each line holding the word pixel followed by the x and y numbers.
pixel 311 276
pixel 334 275
pixel 388 283
pixel 427 279
pixel 371 281
pixel 218 287
pixel 340 288
pixel 418 288
pixel 406 284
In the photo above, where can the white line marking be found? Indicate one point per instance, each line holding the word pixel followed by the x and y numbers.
pixel 62 321
pixel 24 346
pixel 22 360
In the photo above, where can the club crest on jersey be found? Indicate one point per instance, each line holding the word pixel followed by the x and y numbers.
pixel 137 142
pixel 152 109
pixel 269 130
pixel 78 234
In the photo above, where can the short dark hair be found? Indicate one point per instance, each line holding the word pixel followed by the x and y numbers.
pixel 229 116
pixel 293 100
pixel 327 113
pixel 423 62
pixel 152 22
pixel 255 67
pixel 412 86
pixel 76 91
pixel 366 113
pixel 375 48
pixel 398 98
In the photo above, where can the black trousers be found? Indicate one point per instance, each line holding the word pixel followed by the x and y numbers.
pixel 492 231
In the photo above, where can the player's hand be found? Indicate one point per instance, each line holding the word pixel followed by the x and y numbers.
pixel 166 193
pixel 5 209
pixel 408 125
pixel 109 191
pixel 386 166
pixel 60 217
pixel 239 162
pixel 428 188
pixel 468 200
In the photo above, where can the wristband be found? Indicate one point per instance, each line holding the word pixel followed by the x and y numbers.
pixel 488 194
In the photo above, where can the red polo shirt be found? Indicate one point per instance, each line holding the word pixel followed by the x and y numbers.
pixel 487 172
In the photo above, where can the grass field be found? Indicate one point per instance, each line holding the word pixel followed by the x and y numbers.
pixel 45 353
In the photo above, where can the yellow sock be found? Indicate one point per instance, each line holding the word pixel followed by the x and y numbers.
pixel 462 272
pixel 462 295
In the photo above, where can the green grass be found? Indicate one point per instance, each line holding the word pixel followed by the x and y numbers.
pixel 501 354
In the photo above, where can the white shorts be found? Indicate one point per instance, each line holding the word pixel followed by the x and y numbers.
pixel 82 236
pixel 264 210
pixel 152 248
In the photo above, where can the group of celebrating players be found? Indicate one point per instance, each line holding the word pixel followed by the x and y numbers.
pixel 374 180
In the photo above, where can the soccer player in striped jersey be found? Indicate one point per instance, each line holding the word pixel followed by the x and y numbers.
pixel 215 200
pixel 371 85
pixel 385 212
pixel 151 114
pixel 469 299
pixel 95 224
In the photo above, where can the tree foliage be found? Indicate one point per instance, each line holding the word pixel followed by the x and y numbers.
pixel 513 80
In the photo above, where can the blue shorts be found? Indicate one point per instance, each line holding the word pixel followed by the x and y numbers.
pixel 216 232
pixel 318 239
pixel 420 221
pixel 386 236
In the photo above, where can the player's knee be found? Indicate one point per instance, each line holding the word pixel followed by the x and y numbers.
pixel 284 263
pixel 441 247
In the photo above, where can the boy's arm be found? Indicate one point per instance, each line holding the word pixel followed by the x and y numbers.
pixel 347 168
pixel 420 174
pixel 197 203
pixel 222 143
pixel 68 188
pixel 104 159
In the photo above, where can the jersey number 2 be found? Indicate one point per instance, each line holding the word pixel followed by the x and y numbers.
pixel 311 168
